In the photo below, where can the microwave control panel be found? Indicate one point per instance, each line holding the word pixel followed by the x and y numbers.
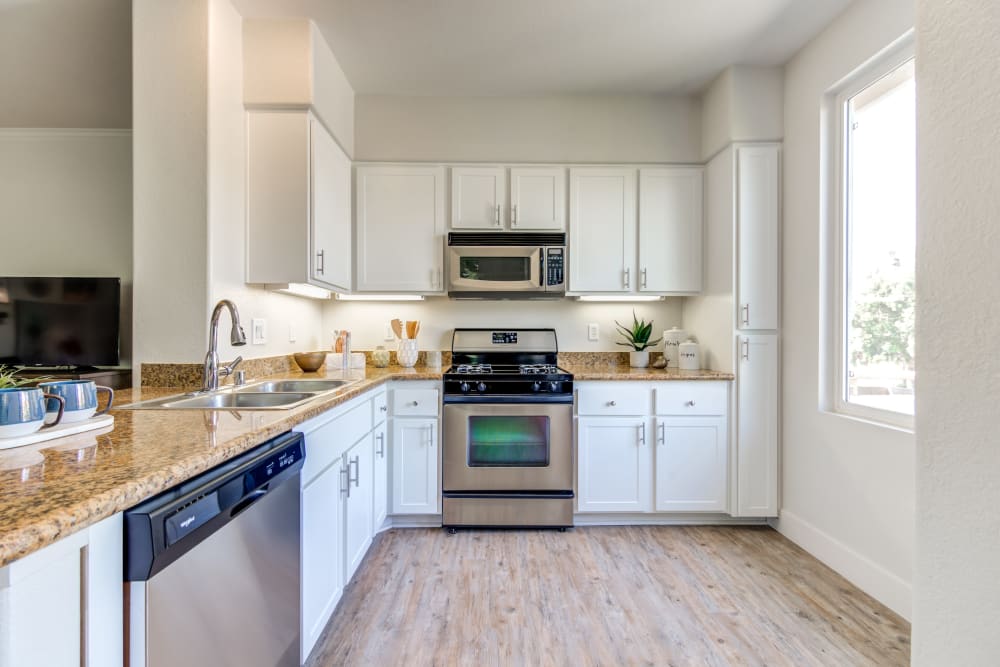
pixel 554 266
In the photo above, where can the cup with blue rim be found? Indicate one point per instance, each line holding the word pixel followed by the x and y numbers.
pixel 79 396
pixel 22 410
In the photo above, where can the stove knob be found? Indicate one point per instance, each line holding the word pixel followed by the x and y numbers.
pixel 464 387
pixel 536 386
pixel 553 386
pixel 481 386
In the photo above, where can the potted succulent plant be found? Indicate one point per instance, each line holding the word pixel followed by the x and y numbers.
pixel 637 337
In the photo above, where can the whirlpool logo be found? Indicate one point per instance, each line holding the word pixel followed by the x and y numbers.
pixel 187 522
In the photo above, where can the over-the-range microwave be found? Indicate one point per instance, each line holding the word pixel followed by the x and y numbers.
pixel 511 265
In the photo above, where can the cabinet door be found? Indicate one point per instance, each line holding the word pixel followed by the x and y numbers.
pixel 757 236
pixel 400 229
pixel 602 230
pixel 537 198
pixel 380 487
pixel 478 197
pixel 757 426
pixel 691 464
pixel 670 229
pixel 322 551
pixel 330 196
pixel 358 517
pixel 614 473
pixel 415 466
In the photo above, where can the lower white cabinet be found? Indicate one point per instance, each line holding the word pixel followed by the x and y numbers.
pixel 691 463
pixel 358 528
pixel 380 487
pixel 322 552
pixel 757 426
pixel 415 488
pixel 614 462
pixel 62 605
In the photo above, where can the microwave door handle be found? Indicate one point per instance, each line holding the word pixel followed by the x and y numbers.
pixel 541 269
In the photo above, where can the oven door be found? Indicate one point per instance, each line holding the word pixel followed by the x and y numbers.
pixel 514 447
pixel 495 269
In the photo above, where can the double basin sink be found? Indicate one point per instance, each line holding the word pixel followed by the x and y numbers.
pixel 268 395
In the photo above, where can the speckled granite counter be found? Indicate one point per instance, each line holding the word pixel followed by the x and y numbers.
pixel 52 489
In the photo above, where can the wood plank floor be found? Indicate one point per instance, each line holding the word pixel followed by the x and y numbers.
pixel 637 595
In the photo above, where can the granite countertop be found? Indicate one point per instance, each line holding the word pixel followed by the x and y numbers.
pixel 54 488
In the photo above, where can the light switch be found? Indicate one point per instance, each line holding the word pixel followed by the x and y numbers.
pixel 292 334
pixel 593 331
pixel 258 331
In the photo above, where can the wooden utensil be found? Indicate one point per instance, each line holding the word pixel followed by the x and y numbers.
pixel 412 326
pixel 397 328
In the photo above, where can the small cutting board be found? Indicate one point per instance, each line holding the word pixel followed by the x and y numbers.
pixel 58 431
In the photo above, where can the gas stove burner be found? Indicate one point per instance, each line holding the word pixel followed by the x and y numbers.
pixel 538 369
pixel 474 368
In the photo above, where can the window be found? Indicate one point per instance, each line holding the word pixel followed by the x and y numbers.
pixel 875 350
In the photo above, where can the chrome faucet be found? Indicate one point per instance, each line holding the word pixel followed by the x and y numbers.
pixel 210 379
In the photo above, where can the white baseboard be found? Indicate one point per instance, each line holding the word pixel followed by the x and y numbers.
pixel 627 519
pixel 412 521
pixel 872 578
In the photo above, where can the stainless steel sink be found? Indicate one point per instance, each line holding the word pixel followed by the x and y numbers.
pixel 243 399
pixel 295 385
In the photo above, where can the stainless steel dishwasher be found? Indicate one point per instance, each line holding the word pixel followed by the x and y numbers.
pixel 212 565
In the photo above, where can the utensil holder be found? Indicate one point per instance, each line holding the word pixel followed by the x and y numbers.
pixel 406 354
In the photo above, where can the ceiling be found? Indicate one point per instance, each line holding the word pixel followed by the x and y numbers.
pixel 545 47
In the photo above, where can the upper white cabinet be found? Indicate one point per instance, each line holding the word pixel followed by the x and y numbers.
pixel 616 247
pixel 478 197
pixel 537 198
pixel 757 426
pixel 400 219
pixel 298 202
pixel 757 202
pixel 602 229
pixel 670 229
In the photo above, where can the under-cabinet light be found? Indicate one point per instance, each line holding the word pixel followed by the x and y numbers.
pixel 301 289
pixel 619 297
pixel 380 297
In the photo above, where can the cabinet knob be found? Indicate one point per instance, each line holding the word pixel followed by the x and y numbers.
pixel 690 404
pixel 413 404
pixel 612 403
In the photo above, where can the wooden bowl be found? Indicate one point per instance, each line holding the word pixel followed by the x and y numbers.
pixel 309 362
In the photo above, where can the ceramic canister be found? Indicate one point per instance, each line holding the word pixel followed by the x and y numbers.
pixel 689 356
pixel 671 339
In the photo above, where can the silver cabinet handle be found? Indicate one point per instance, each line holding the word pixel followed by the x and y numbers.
pixel 643 276
pixel 513 215
pixel 357 471
pixel 642 433
pixel 689 404
pixel 746 349
pixel 628 277
pixel 381 445
pixel 746 313
pixel 320 262
pixel 413 404
pixel 439 284
pixel 498 215
pixel 346 472
pixel 663 434
pixel 430 436
pixel 612 403
pixel 383 408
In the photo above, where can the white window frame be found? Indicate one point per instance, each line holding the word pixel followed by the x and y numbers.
pixel 894 56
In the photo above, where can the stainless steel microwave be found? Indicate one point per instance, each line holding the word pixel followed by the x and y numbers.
pixel 506 265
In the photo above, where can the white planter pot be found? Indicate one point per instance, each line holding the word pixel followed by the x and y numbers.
pixel 639 359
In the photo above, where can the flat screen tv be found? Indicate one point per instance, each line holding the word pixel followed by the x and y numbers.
pixel 59 321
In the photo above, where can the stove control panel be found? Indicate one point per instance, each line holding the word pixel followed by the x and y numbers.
pixel 542 387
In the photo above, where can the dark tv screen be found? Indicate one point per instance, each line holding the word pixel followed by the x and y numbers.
pixel 59 321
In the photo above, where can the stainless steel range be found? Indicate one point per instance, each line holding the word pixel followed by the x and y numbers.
pixel 508 431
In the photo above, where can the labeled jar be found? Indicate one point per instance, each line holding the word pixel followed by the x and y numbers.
pixel 689 356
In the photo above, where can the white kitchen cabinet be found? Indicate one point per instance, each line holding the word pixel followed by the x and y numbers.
pixel 757 426
pixel 602 229
pixel 614 466
pixel 757 205
pixel 380 487
pixel 478 198
pixel 62 605
pixel 400 224
pixel 691 464
pixel 358 529
pixel 670 229
pixel 537 198
pixel 298 202
pixel 415 487
pixel 322 551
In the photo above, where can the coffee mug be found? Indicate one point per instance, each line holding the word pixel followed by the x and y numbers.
pixel 22 410
pixel 80 397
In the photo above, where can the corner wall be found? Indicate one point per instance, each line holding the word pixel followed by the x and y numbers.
pixel 847 486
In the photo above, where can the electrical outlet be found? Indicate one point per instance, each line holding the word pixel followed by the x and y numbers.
pixel 258 331
pixel 292 334
pixel 388 335
pixel 593 332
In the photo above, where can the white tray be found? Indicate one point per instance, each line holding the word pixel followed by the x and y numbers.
pixel 58 431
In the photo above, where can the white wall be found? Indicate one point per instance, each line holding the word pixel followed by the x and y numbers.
pixel 957 582
pixel 847 486
pixel 744 103
pixel 438 316
pixel 66 208
pixel 227 207
pixel 528 129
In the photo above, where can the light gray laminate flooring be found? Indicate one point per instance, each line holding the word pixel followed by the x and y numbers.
pixel 677 595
